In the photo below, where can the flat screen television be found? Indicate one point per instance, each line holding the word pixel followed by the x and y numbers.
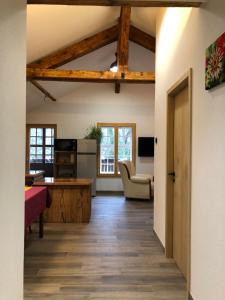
pixel 65 144
pixel 146 146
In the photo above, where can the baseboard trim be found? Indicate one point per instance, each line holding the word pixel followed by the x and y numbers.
pixel 109 193
pixel 161 245
pixel 190 297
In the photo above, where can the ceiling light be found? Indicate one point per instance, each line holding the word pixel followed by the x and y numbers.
pixel 113 67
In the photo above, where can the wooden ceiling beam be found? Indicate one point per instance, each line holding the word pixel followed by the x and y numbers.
pixel 43 90
pixel 63 56
pixel 86 46
pixel 142 38
pixel 117 87
pixel 123 38
pixel 134 3
pixel 89 76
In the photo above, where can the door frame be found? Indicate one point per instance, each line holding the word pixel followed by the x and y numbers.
pixel 184 81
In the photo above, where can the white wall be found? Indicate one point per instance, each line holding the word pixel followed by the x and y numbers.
pixel 182 37
pixel 12 146
pixel 80 105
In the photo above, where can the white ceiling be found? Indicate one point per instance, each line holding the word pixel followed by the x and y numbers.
pixel 53 27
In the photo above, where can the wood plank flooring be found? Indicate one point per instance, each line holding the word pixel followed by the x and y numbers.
pixel 114 257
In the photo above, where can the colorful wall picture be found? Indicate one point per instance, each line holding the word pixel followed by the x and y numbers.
pixel 215 63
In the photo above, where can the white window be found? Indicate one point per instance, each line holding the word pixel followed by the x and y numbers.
pixel 40 143
pixel 118 143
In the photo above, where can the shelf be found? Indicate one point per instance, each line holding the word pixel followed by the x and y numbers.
pixel 65 164
pixel 64 151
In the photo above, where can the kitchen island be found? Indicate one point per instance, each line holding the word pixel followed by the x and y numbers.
pixel 71 199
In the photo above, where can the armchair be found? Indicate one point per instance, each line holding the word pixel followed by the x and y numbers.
pixel 135 185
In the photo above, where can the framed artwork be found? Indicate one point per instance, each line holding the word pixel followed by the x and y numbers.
pixel 215 63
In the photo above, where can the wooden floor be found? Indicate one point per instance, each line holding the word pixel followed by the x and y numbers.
pixel 114 257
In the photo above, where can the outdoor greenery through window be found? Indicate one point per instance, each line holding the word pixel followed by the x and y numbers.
pixel 41 144
pixel 118 143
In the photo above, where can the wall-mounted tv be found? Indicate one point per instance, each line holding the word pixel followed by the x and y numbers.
pixel 65 144
pixel 146 146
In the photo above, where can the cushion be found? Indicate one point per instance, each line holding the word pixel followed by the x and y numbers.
pixel 140 179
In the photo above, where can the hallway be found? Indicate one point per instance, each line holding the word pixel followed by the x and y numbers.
pixel 116 256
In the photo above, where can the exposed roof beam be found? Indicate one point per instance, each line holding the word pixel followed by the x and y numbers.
pixel 117 87
pixel 43 90
pixel 142 38
pixel 89 76
pixel 123 38
pixel 134 3
pixel 65 55
pixel 78 49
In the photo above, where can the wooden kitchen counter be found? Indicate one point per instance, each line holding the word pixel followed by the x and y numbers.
pixel 33 175
pixel 71 199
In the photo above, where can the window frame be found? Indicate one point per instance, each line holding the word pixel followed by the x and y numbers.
pixel 28 127
pixel 116 126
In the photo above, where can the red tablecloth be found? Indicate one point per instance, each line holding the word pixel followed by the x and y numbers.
pixel 36 200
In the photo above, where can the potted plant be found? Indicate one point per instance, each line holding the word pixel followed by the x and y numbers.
pixel 94 133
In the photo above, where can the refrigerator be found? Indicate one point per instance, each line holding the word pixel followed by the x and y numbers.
pixel 87 161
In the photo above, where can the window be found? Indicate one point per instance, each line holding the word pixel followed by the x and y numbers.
pixel 40 144
pixel 118 143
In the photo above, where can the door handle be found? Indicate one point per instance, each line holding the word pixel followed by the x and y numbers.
pixel 173 174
